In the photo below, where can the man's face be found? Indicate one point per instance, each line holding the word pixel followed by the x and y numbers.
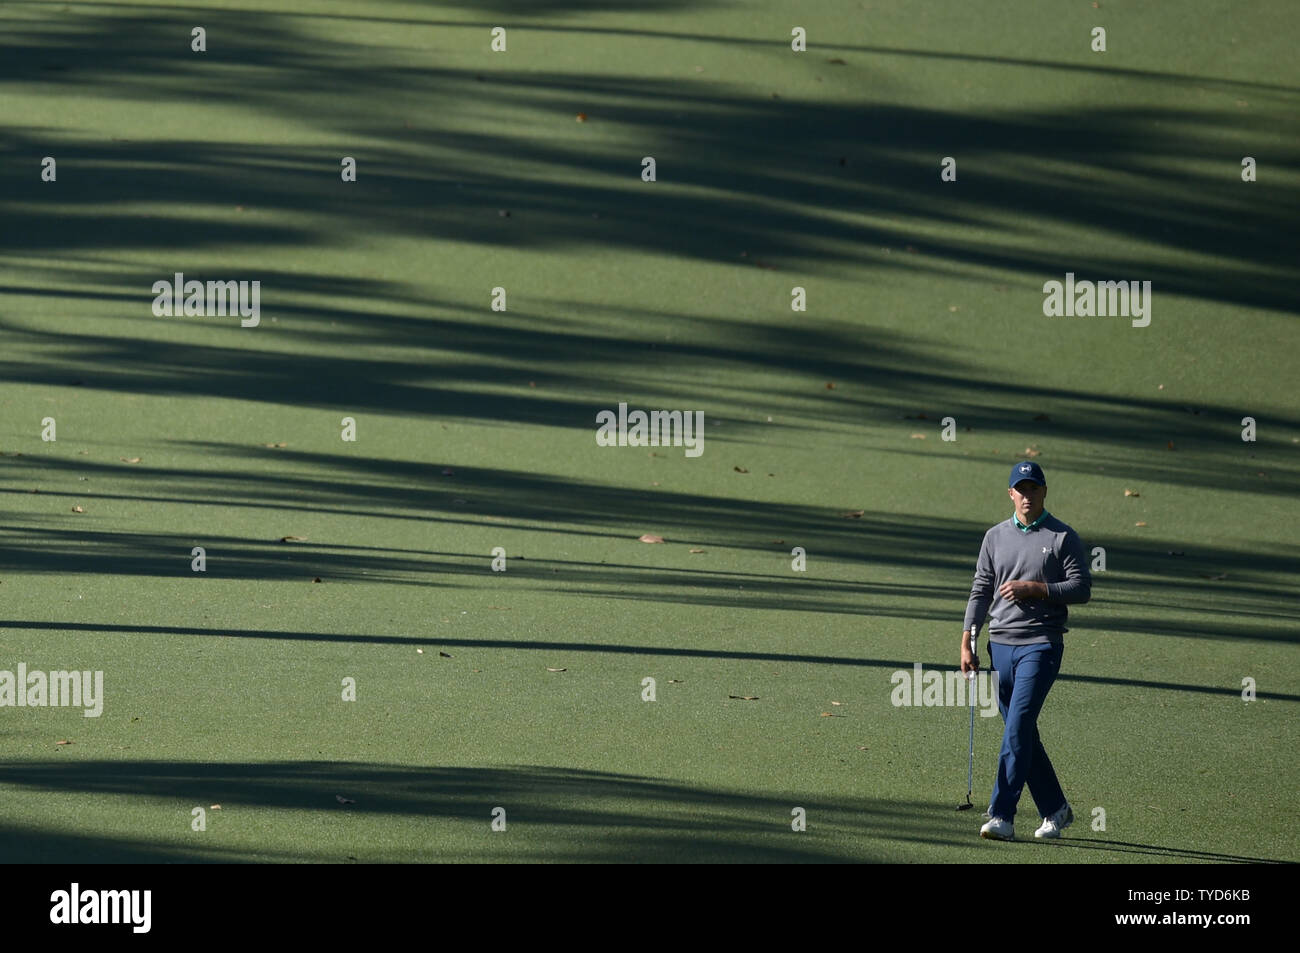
pixel 1027 497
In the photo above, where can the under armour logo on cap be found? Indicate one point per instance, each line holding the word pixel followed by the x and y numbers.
pixel 1027 470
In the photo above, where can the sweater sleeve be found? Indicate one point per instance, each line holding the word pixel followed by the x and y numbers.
pixel 981 590
pixel 1077 586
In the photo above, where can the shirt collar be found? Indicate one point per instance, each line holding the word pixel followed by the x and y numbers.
pixel 1025 529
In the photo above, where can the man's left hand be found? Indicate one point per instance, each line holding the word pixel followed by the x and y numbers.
pixel 1022 590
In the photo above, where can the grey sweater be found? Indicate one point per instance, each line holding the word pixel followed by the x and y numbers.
pixel 1051 552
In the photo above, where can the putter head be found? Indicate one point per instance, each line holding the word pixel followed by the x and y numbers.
pixel 967 806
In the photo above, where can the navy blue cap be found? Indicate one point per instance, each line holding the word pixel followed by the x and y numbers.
pixel 1027 470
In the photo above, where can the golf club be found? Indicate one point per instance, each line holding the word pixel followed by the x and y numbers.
pixel 970 759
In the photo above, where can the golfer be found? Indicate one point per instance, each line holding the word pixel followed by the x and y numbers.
pixel 1030 568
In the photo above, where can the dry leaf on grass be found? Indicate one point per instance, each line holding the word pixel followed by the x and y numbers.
pixel 557 669
pixel 918 436
pixel 1140 523
pixel 696 550
pixel 853 514
pixel 344 800
pixel 830 385
pixel 837 703
pixel 674 681
pixel 419 651
pixel 445 655
pixel 1030 452
pixel 130 459
pixel 1132 493
pixel 78 509
pixel 65 742
pixel 275 446
pixel 215 807
pixel 293 539
pixel 650 538
pixel 744 698
pixel 740 469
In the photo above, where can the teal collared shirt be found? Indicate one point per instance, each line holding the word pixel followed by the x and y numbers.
pixel 1025 529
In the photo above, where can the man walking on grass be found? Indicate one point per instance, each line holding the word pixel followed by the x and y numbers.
pixel 1030 568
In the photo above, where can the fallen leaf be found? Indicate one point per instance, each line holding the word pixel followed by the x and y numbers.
pixel 1169 445
pixel 674 681
pixel 419 651
pixel 215 807
pixel 344 800
pixel 1140 524
pixel 744 698
pixel 837 703
pixel 1132 493
pixel 740 469
pixel 697 550
pixel 830 385
pixel 445 655
pixel 317 579
pixel 63 742
pixel 275 446
pixel 477 671
pixel 129 459
pixel 582 117
pixel 293 539
pixel 650 538
pixel 1030 452
pixel 918 436
pixel 557 669
pixel 826 714
pixel 853 514
pixel 863 748
pixel 78 509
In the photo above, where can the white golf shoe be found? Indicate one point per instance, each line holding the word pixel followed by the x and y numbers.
pixel 998 829
pixel 1052 826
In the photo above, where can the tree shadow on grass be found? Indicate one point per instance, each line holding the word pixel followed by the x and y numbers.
pixel 582 815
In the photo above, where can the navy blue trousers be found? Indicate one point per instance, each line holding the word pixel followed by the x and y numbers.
pixel 1025 676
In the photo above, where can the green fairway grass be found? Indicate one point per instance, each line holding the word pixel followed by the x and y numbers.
pixel 475 428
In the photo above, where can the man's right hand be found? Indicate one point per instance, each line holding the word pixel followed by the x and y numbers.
pixel 970 662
